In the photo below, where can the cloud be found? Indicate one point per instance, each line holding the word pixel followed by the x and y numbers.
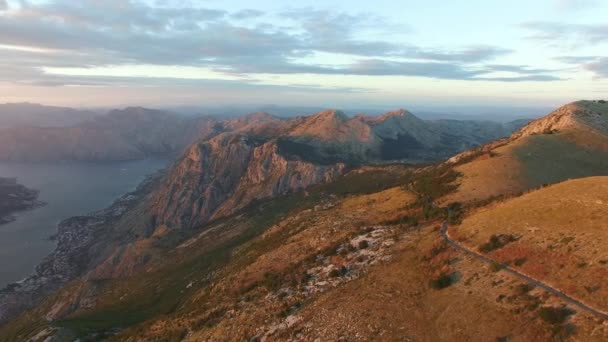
pixel 561 33
pixel 597 65
pixel 576 5
pixel 91 33
pixel 3 5
pixel 470 54
pixel 525 78
pixel 576 59
pixel 380 67
pixel 247 14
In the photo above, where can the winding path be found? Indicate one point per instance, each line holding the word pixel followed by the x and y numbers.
pixel 548 288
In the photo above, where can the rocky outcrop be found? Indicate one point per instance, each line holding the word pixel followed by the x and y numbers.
pixel 580 115
pixel 218 177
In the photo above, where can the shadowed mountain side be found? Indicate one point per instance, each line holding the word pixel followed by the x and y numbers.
pixel 570 142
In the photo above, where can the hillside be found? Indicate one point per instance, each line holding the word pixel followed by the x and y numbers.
pixel 560 236
pixel 570 142
pixel 307 267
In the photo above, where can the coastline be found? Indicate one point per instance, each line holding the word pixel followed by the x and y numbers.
pixel 14 198
pixel 70 257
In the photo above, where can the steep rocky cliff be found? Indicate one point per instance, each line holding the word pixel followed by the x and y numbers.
pixel 219 176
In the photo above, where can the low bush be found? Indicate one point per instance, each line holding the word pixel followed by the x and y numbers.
pixel 495 267
pixel 553 315
pixel 363 244
pixel 520 261
pixel 445 280
pixel 522 289
pixel 497 241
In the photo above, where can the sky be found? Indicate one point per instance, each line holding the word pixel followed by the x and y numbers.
pixel 331 54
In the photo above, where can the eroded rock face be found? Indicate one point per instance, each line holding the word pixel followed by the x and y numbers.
pixel 220 176
pixel 563 118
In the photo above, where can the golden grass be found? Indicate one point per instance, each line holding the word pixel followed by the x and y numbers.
pixel 563 231
pixel 379 206
pixel 490 176
pixel 394 302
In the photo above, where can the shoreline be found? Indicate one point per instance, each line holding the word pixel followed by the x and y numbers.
pixel 69 259
pixel 15 198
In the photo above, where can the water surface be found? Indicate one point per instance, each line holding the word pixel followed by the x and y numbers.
pixel 69 189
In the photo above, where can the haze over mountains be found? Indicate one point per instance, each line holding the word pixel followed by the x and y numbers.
pixel 225 244
pixel 39 133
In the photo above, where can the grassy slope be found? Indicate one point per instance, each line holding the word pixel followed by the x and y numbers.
pixel 562 232
pixel 549 159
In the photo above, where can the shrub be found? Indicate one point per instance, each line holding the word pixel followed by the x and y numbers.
pixel 497 242
pixel 338 272
pixel 334 273
pixel 554 315
pixel 522 289
pixel 363 244
pixel 495 267
pixel 272 281
pixel 405 219
pixel 455 213
pixel 520 261
pixel 437 248
pixel 444 280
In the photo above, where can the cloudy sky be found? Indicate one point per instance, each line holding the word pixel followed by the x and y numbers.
pixel 338 53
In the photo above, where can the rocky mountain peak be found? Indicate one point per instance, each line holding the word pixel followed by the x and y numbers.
pixel 392 114
pixel 259 117
pixel 329 115
pixel 331 125
pixel 575 115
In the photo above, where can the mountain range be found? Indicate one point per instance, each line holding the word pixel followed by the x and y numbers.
pixel 135 133
pixel 335 227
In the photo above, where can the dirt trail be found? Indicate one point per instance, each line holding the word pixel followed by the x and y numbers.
pixel 548 288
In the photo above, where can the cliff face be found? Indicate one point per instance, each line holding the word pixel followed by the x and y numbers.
pixel 261 157
pixel 217 177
